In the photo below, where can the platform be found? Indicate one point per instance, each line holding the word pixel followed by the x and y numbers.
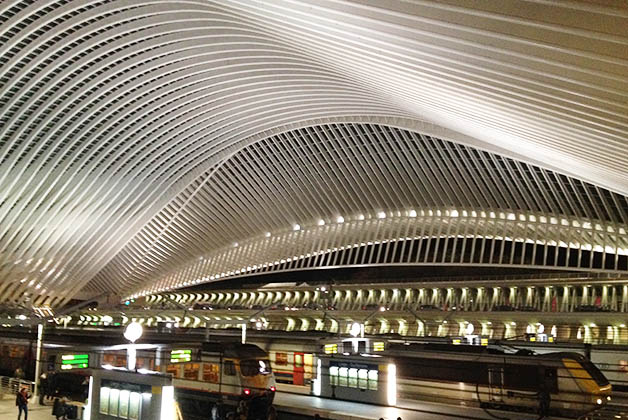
pixel 409 410
pixel 8 410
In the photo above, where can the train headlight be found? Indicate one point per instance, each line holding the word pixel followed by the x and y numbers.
pixel 599 401
pixel 273 389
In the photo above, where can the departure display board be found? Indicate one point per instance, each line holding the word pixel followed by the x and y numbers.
pixel 74 361
pixel 180 356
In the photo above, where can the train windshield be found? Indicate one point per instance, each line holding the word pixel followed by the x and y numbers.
pixel 595 373
pixel 252 367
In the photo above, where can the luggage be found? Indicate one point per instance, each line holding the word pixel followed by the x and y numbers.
pixel 71 412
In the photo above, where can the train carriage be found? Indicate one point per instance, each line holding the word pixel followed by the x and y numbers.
pixel 562 383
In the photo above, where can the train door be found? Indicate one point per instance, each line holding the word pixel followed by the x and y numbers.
pixel 298 369
pixel 495 384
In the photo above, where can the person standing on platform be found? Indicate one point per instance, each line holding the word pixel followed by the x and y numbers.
pixel 43 388
pixel 21 401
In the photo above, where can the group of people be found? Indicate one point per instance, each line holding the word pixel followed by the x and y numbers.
pixel 47 391
pixel 59 409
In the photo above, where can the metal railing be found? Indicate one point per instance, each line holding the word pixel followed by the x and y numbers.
pixel 10 386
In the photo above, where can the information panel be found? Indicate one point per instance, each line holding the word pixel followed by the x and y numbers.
pixel 74 361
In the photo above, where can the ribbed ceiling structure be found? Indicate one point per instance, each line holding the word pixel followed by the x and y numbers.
pixel 359 194
pixel 120 118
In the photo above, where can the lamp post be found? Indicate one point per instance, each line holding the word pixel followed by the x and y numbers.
pixel 132 332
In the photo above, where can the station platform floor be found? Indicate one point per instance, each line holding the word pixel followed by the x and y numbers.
pixel 406 410
pixel 8 410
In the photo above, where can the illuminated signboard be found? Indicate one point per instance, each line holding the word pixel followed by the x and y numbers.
pixel 74 361
pixel 179 356
pixel 331 348
pixel 378 346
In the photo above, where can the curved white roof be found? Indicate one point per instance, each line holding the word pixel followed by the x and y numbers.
pixel 139 136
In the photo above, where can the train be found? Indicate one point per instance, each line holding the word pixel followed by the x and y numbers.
pixel 363 370
pixel 374 370
pixel 225 379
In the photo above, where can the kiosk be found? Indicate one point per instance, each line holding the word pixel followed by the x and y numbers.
pixel 123 394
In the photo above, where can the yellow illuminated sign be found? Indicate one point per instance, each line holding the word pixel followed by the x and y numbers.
pixel 331 348
pixel 378 346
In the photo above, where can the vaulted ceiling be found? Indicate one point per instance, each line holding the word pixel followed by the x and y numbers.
pixel 147 145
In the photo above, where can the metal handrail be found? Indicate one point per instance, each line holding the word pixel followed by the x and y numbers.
pixel 10 385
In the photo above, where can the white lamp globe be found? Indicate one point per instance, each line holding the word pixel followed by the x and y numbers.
pixel 355 329
pixel 470 328
pixel 133 332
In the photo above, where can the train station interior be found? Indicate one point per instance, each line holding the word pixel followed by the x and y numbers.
pixel 313 209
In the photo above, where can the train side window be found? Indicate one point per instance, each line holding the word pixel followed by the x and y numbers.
pixel 174 370
pixel 363 378
pixel 281 358
pixel 210 373
pixel 120 361
pixel 229 368
pixel 373 377
pixel 551 380
pixel 342 376
pixel 333 375
pixel 140 363
pixel 353 378
pixel 298 360
pixel 190 371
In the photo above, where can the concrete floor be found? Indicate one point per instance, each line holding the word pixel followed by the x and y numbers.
pixel 8 410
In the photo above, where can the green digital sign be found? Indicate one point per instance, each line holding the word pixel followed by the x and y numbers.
pixel 74 361
pixel 179 356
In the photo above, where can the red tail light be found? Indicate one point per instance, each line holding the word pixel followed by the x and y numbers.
pixel 247 391
pixel 273 389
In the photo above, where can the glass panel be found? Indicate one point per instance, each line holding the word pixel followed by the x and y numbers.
pixel 210 373
pixel 104 400
pixel 298 360
pixel 353 378
pixel 229 368
pixel 135 401
pixel 120 361
pixel 363 376
pixel 333 375
pixel 281 358
pixel 252 367
pixel 373 380
pixel 174 370
pixel 114 399
pixel 190 371
pixel 342 376
pixel 124 404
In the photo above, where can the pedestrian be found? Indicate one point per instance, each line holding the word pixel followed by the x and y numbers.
pixel 43 387
pixel 21 401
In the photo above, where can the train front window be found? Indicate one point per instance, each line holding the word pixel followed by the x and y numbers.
pixel 595 373
pixel 252 367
